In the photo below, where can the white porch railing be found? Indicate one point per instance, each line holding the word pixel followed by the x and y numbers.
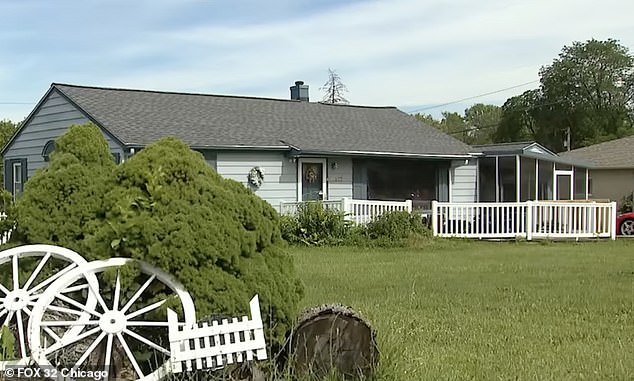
pixel 358 211
pixel 530 219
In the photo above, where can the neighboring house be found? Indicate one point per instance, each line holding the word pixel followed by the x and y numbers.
pixel 613 170
pixel 306 150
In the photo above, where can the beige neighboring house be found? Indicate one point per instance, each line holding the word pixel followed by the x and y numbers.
pixel 613 173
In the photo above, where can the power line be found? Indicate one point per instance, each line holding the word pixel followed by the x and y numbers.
pixel 16 103
pixel 486 127
pixel 473 97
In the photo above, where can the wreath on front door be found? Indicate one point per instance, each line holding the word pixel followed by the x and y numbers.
pixel 256 176
pixel 311 175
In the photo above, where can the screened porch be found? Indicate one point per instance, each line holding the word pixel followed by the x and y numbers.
pixel 521 172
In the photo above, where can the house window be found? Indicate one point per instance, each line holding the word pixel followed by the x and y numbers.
pixel 17 180
pixel 15 175
pixel 49 147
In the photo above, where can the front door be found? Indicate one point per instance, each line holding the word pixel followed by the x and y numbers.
pixel 312 181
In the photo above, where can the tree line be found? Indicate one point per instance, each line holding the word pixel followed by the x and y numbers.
pixel 585 97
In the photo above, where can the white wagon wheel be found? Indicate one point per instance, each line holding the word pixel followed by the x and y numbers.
pixel 26 272
pixel 120 325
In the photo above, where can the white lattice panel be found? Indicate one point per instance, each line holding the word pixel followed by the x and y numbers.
pixel 215 346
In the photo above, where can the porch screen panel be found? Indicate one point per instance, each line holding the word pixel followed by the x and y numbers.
pixel 399 180
pixel 580 184
pixel 507 173
pixel 486 179
pixel 359 180
pixel 442 179
pixel 528 176
pixel 545 180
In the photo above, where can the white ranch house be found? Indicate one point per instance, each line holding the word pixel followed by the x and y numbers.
pixel 362 159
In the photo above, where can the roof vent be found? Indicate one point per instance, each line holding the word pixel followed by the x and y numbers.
pixel 299 92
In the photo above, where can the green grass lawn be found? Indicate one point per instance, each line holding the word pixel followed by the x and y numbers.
pixel 464 310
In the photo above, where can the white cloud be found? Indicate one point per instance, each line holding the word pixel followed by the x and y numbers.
pixel 398 52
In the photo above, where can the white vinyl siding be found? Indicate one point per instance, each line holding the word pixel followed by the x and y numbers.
pixel 50 121
pixel 463 181
pixel 280 173
pixel 339 178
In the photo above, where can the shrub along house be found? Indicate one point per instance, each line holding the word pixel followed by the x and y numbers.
pixel 288 150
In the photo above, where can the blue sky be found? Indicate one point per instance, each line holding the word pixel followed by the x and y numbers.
pixel 407 53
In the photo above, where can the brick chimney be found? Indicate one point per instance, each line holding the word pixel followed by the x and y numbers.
pixel 299 92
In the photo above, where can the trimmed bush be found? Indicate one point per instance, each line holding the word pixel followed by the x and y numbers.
pixel 167 207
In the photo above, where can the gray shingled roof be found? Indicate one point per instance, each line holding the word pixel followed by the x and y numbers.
pixel 617 153
pixel 530 150
pixel 139 117
pixel 504 148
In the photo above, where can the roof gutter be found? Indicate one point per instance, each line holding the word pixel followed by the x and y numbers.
pixel 230 147
pixel 384 154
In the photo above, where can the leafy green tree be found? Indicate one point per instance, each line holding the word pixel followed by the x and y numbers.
pixel 477 126
pixel 518 121
pixel 167 207
pixel 586 96
pixel 428 119
pixel 482 121
pixel 454 124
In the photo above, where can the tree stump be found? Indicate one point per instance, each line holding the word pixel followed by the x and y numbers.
pixel 333 338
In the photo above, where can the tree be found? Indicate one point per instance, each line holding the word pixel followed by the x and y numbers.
pixel 477 126
pixel 482 120
pixel 334 89
pixel 167 207
pixel 592 84
pixel 585 96
pixel 428 120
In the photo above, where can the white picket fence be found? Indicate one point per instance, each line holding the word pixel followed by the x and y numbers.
pixel 4 236
pixel 358 211
pixel 217 345
pixel 530 219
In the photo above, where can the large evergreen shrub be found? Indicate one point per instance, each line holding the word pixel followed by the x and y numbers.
pixel 167 207
pixel 62 203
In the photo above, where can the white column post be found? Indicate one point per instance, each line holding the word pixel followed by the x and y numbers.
pixel 612 220
pixel 518 178
pixel 536 179
pixel 529 220
pixel 434 217
pixel 497 179
pixel 587 184
pixel 408 205
pixel 345 206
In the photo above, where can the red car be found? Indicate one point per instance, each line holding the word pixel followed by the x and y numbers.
pixel 625 224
